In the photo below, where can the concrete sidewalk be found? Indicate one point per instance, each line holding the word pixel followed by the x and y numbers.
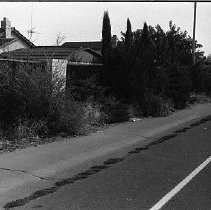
pixel 29 165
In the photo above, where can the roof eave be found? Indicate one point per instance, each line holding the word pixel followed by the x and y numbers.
pixel 22 37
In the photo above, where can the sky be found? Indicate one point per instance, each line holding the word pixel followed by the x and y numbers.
pixel 82 21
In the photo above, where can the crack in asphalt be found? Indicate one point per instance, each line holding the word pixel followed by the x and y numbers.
pixel 28 173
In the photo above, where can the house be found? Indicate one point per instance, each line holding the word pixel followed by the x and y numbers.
pixel 50 53
pixel 96 46
pixel 11 39
pixel 57 57
pixel 70 63
pixel 72 59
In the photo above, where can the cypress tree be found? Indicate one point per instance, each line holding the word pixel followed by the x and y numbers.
pixel 129 34
pixel 106 35
pixel 145 36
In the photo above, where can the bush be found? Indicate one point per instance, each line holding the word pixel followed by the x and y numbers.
pixel 25 129
pixel 179 85
pixel 94 112
pixel 72 119
pixel 114 111
pixel 199 78
pixel 75 117
pixel 23 94
pixel 156 106
pixel 208 80
pixel 69 118
pixel 134 111
pixel 208 85
pixel 199 98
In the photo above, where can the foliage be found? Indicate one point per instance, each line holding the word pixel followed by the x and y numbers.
pixel 23 94
pixel 72 119
pixel 115 111
pixel 84 89
pixel 30 130
pixel 149 73
pixel 94 112
pixel 151 62
pixel 199 77
pixel 179 85
pixel 75 117
pixel 128 35
pixel 199 98
pixel 24 130
pixel 156 106
pixel 207 72
pixel 106 36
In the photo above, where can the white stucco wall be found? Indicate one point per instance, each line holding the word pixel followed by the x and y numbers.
pixel 59 67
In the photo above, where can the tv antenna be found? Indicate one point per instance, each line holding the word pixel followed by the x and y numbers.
pixel 32 31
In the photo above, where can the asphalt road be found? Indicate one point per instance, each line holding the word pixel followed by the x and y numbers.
pixel 140 180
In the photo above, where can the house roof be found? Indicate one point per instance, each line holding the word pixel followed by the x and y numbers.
pixel 5 41
pixel 22 37
pixel 46 52
pixel 39 53
pixel 93 45
pixel 93 52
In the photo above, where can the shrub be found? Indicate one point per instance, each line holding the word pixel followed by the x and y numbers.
pixel 94 113
pixel 179 85
pixel 72 119
pixel 24 130
pixel 208 85
pixel 75 117
pixel 69 118
pixel 119 113
pixel 114 111
pixel 23 94
pixel 199 98
pixel 134 111
pixel 208 80
pixel 156 106
pixel 199 78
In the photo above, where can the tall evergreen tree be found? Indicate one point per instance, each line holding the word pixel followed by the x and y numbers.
pixel 145 36
pixel 129 34
pixel 106 36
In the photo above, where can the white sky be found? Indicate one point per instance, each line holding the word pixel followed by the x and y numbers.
pixel 80 21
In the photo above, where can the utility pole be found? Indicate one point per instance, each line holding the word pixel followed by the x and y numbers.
pixel 194 32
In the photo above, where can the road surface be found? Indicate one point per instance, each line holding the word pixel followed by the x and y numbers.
pixel 174 172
